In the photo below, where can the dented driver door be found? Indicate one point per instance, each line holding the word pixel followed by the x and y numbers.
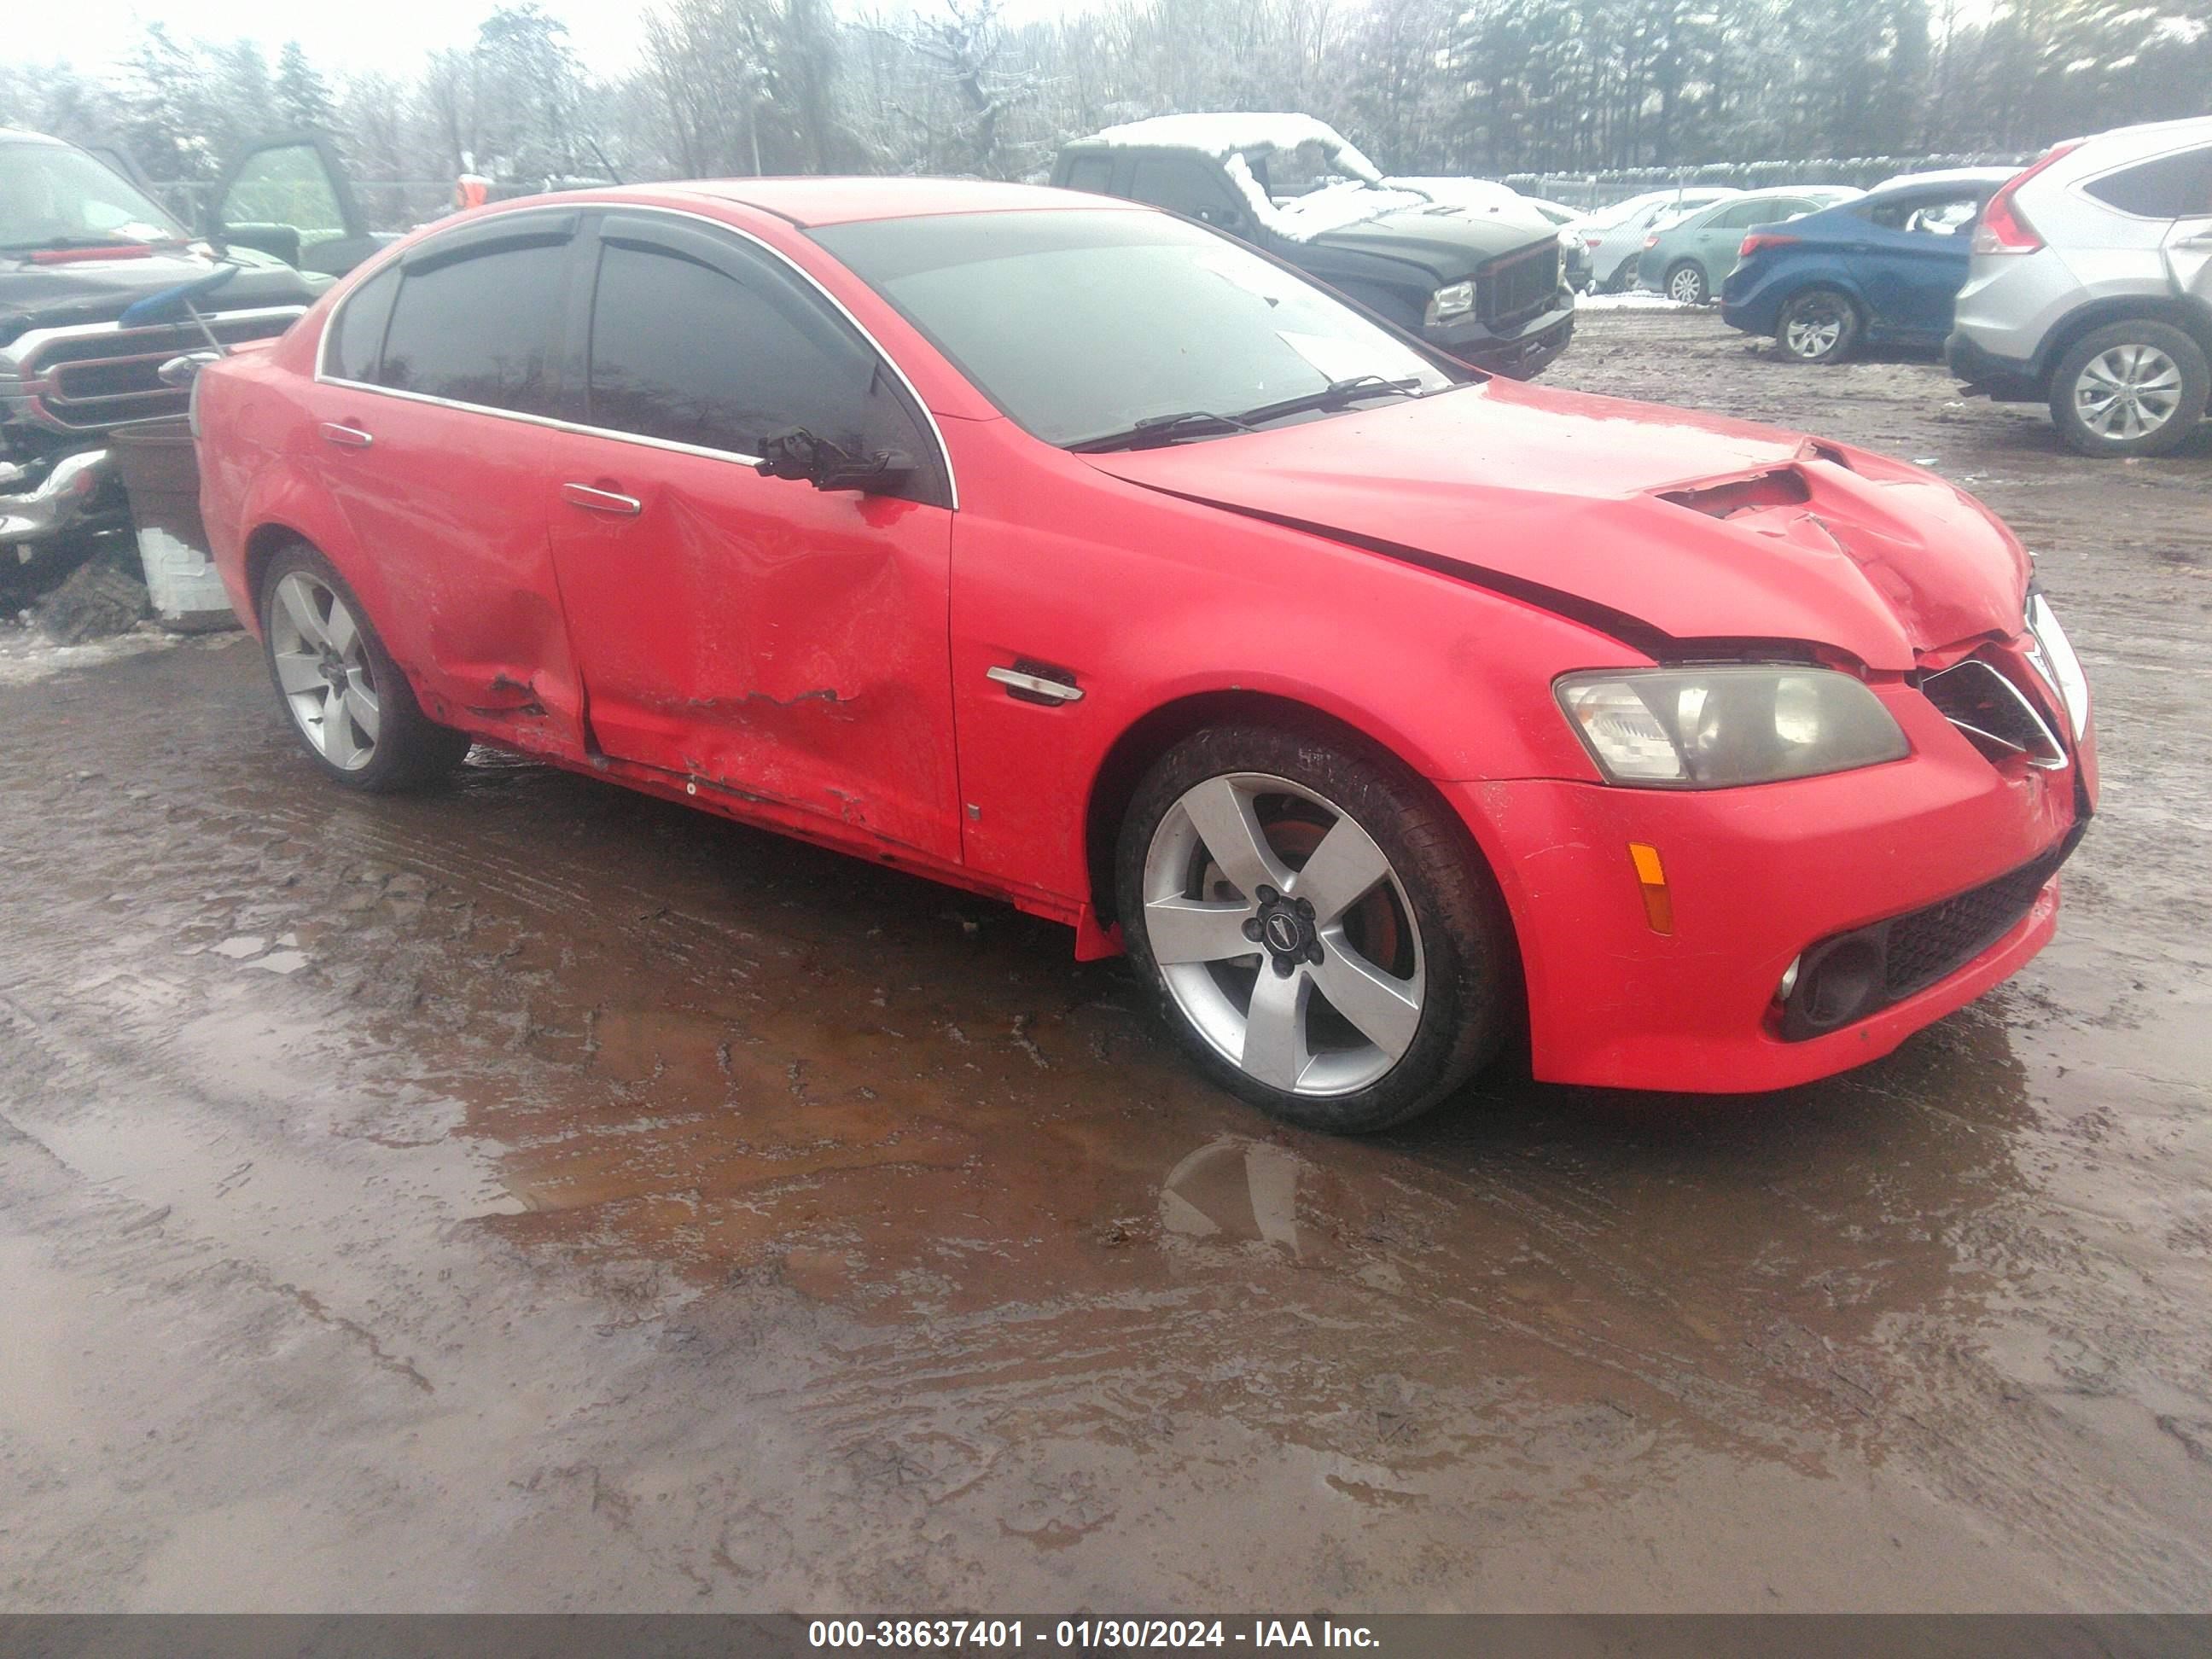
pixel 758 637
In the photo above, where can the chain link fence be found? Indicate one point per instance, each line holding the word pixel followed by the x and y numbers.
pixel 1591 190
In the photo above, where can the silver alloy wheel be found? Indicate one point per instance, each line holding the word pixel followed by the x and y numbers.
pixel 1813 333
pixel 2128 392
pixel 1687 286
pixel 1266 931
pixel 323 670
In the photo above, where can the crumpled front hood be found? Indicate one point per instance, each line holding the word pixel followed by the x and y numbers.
pixel 1660 526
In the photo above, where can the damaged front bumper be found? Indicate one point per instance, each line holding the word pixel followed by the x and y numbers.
pixel 69 496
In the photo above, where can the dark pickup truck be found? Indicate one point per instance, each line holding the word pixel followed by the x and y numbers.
pixel 1485 288
pixel 81 240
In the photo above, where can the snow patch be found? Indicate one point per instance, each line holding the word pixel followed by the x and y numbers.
pixel 1222 135
pixel 1301 218
pixel 1637 299
pixel 28 656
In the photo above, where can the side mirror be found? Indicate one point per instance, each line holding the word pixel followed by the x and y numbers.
pixel 183 371
pixel 798 454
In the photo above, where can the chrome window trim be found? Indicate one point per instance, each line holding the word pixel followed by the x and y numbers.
pixel 553 423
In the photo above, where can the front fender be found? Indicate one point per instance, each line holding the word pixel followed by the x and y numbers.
pixel 1157 604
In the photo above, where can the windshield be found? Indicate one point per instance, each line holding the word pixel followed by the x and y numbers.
pixel 51 194
pixel 1082 323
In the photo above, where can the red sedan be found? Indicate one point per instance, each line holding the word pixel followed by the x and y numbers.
pixel 1069 552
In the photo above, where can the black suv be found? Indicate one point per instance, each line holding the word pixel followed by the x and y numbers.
pixel 1485 288
pixel 81 240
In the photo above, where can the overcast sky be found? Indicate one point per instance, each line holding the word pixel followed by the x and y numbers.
pixel 380 34
pixel 392 35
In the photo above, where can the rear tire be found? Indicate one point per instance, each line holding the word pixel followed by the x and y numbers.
pixel 1318 930
pixel 1819 325
pixel 1685 284
pixel 2130 388
pixel 350 707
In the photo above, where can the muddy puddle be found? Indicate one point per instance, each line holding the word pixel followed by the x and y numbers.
pixel 534 1195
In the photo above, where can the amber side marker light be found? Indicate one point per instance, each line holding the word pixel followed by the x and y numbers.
pixel 1651 877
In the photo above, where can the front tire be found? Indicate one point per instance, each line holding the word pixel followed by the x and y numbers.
pixel 2130 388
pixel 1818 326
pixel 1317 929
pixel 1687 284
pixel 351 706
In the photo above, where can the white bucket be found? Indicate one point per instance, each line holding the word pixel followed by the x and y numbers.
pixel 181 581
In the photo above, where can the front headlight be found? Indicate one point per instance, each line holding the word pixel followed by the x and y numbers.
pixel 2055 660
pixel 1453 301
pixel 1710 728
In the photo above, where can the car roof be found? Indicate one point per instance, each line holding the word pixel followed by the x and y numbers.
pixel 1218 133
pixel 2189 126
pixel 1943 177
pixel 1827 196
pixel 809 203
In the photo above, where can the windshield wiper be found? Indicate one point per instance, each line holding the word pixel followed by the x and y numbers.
pixel 1157 429
pixel 1337 394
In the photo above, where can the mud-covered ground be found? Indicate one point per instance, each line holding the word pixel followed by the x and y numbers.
pixel 534 1195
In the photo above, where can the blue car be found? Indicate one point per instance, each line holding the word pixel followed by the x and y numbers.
pixel 1882 269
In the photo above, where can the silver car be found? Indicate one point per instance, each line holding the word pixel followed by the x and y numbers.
pixel 2091 288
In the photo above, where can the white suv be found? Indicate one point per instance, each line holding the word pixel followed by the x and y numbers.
pixel 2091 287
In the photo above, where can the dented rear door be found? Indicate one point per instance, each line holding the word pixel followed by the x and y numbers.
pixel 755 636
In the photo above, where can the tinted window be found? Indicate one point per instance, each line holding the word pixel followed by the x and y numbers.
pixel 688 353
pixel 2171 187
pixel 1080 322
pixel 358 335
pixel 1743 214
pixel 1182 185
pixel 479 329
pixel 1092 172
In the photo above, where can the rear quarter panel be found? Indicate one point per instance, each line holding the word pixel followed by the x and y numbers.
pixel 253 471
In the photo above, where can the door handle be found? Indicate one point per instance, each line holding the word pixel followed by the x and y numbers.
pixel 2197 244
pixel 346 437
pixel 1025 687
pixel 601 501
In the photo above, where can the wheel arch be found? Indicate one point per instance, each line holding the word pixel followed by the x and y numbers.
pixel 263 543
pixel 2193 319
pixel 1833 281
pixel 283 503
pixel 1114 783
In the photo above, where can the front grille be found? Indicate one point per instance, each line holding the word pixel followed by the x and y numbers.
pixel 88 382
pixel 1944 938
pixel 1993 713
pixel 1517 284
pixel 1848 976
